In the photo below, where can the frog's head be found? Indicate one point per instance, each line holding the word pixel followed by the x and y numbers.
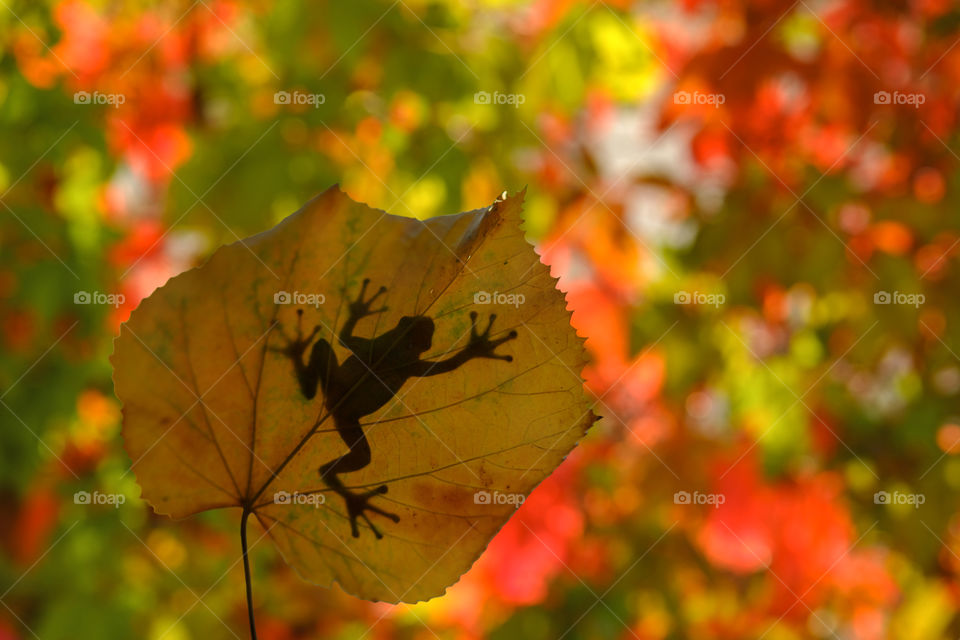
pixel 416 332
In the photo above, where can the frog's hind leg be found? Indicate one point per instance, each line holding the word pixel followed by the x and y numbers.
pixel 358 457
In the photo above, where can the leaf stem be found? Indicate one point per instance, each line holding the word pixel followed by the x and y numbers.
pixel 246 572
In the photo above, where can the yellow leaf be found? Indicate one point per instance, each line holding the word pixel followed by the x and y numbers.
pixel 378 392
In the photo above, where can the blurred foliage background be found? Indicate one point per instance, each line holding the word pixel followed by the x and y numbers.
pixel 747 200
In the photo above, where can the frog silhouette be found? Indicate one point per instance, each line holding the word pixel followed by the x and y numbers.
pixel 367 379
